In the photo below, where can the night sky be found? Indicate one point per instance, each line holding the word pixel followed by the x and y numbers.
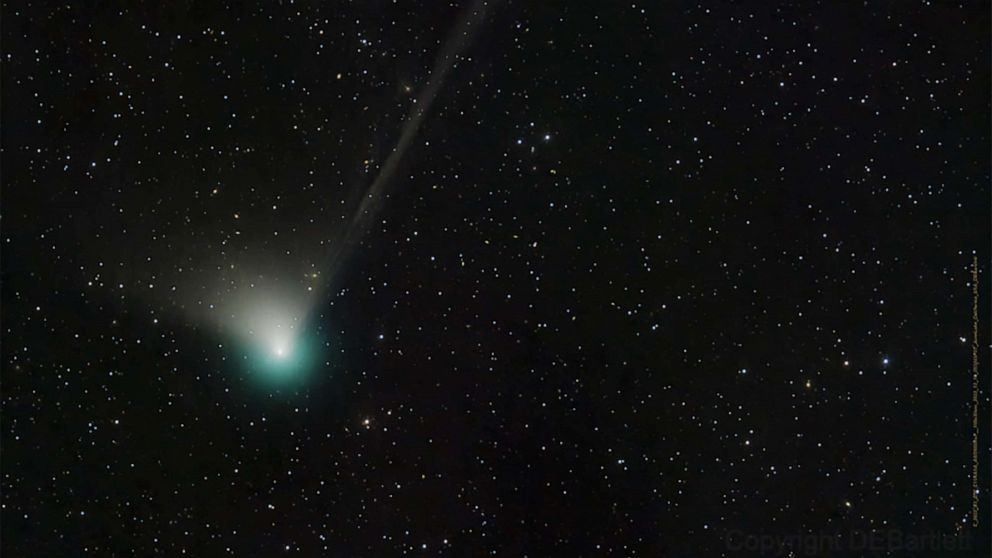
pixel 492 278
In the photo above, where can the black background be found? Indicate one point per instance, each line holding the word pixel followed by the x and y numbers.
pixel 593 344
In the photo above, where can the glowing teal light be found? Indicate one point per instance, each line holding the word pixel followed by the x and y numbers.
pixel 282 361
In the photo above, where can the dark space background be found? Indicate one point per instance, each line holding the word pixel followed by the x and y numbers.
pixel 651 274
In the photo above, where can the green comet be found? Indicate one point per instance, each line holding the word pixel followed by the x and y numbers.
pixel 281 362
pixel 275 342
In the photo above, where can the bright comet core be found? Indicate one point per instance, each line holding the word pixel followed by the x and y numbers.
pixel 268 330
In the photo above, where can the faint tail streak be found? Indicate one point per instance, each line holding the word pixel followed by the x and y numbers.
pixel 460 38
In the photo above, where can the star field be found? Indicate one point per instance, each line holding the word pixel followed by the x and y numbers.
pixel 493 278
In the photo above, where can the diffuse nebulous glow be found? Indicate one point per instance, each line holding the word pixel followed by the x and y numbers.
pixel 269 325
pixel 269 332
